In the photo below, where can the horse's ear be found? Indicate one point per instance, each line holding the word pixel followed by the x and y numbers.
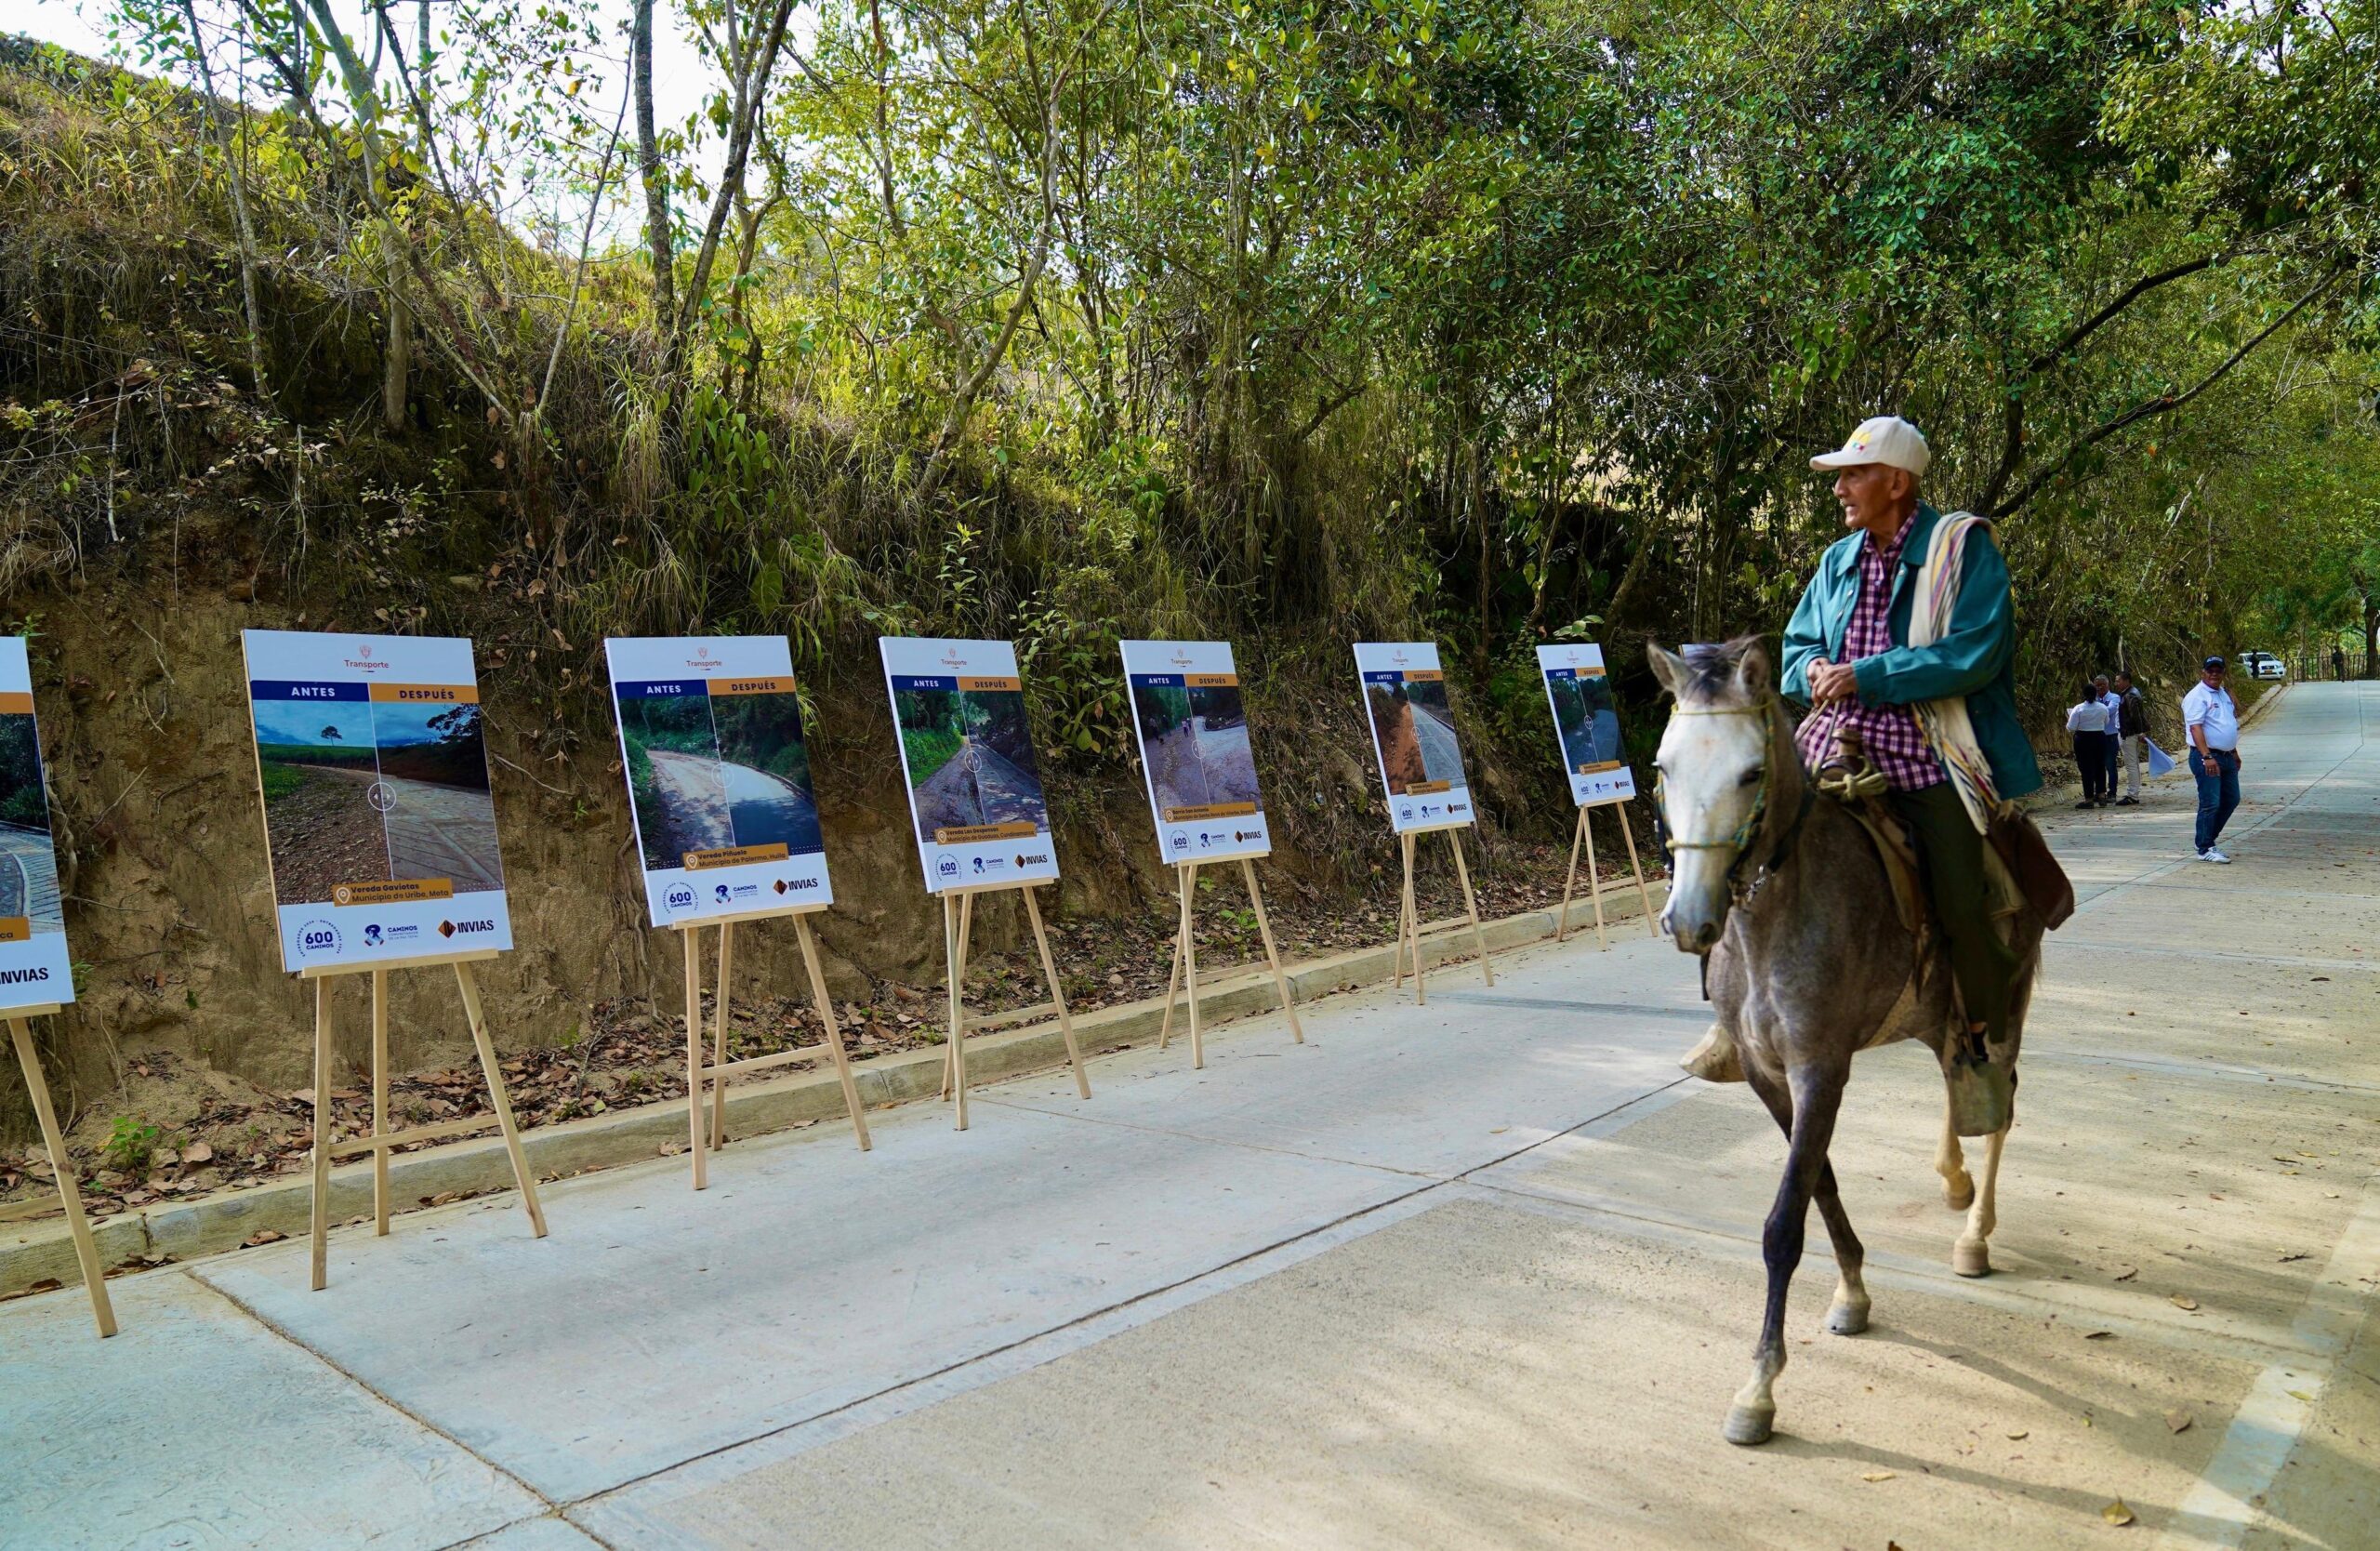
pixel 1754 677
pixel 1668 665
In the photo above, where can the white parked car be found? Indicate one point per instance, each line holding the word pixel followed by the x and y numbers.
pixel 2263 665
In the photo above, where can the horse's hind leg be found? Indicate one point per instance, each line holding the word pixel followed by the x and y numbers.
pixel 1815 1097
pixel 1849 1315
pixel 1972 1255
pixel 1950 1162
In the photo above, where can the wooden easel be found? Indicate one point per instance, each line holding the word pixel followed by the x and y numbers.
pixel 1186 951
pixel 715 1074
pixel 957 919
pixel 1594 883
pixel 86 1252
pixel 1409 925
pixel 380 1142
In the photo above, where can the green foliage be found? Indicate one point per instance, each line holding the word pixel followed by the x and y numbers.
pixel 1490 321
pixel 130 1142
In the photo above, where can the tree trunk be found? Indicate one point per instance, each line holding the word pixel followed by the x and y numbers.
pixel 396 380
pixel 649 168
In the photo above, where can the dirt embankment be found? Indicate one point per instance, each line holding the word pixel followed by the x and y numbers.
pixel 184 1008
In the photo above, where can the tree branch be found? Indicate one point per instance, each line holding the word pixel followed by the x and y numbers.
pixel 2164 403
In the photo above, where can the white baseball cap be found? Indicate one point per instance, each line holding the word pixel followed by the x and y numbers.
pixel 1887 439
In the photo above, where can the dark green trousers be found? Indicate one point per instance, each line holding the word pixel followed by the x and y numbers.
pixel 1950 854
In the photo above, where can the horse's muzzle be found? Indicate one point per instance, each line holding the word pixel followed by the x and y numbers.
pixel 1694 918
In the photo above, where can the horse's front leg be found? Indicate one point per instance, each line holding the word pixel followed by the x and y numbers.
pixel 1972 1255
pixel 1816 1096
pixel 1950 1162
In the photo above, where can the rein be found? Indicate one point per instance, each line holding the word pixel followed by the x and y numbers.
pixel 1742 888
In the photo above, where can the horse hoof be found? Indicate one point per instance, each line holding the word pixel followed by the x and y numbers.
pixel 1749 1424
pixel 1846 1318
pixel 1970 1257
pixel 1958 1194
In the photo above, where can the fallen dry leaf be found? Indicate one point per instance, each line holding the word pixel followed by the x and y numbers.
pixel 2018 1436
pixel 2305 1396
pixel 2182 1300
pixel 1877 1476
pixel 263 1236
pixel 2116 1514
pixel 2098 1335
pixel 2127 1273
pixel 2178 1421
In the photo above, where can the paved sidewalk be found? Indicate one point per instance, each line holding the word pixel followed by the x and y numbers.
pixel 1480 1274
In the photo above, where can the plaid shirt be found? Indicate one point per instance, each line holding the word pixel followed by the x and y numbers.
pixel 1889 733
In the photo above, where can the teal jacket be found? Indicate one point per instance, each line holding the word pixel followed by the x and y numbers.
pixel 1977 659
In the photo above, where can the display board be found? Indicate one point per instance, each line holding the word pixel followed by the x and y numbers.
pixel 975 798
pixel 379 822
pixel 1420 759
pixel 1585 724
pixel 717 774
pixel 1193 731
pixel 35 969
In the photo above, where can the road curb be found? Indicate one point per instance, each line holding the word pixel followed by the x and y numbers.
pixel 37 1251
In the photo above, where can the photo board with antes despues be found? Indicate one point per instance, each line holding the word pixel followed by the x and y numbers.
pixel 378 821
pixel 1421 761
pixel 974 786
pixel 34 967
pixel 1585 724
pixel 1193 731
pixel 718 775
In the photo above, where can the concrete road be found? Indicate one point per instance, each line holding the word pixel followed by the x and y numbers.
pixel 693 798
pixel 709 803
pixel 442 831
pixel 978 785
pixel 29 878
pixel 1441 750
pixel 1482 1274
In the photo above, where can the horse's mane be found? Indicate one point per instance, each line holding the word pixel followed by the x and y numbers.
pixel 1710 678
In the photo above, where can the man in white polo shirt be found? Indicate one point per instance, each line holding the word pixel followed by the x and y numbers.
pixel 2211 724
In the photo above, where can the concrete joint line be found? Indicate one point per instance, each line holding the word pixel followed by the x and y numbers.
pixel 1031 1351
pixel 366 1386
pixel 2255 1075
pixel 2228 1499
pixel 212 1225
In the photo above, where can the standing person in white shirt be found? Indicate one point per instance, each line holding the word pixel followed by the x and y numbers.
pixel 2087 720
pixel 2113 743
pixel 2210 721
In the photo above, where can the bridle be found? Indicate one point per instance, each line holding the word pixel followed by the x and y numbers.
pixel 1740 888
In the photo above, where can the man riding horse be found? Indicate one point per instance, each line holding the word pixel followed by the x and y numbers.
pixel 1937 720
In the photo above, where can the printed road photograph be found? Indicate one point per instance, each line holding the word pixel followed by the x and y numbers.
pixel 674 779
pixel 1170 743
pixel 1584 718
pixel 433 794
pixel 318 765
pixel 1219 722
pixel 969 758
pixel 1433 729
pixel 1400 751
pixel 765 767
pixel 1415 732
pixel 27 860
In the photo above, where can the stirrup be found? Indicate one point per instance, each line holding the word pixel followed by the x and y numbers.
pixel 1715 1059
pixel 1982 1096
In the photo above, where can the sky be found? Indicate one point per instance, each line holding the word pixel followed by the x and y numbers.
pixel 681 79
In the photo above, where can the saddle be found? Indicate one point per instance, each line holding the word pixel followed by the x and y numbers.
pixel 2019 870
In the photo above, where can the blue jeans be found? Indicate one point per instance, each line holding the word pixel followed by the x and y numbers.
pixel 2218 792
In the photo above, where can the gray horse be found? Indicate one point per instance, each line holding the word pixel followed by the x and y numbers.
pixel 1808 965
